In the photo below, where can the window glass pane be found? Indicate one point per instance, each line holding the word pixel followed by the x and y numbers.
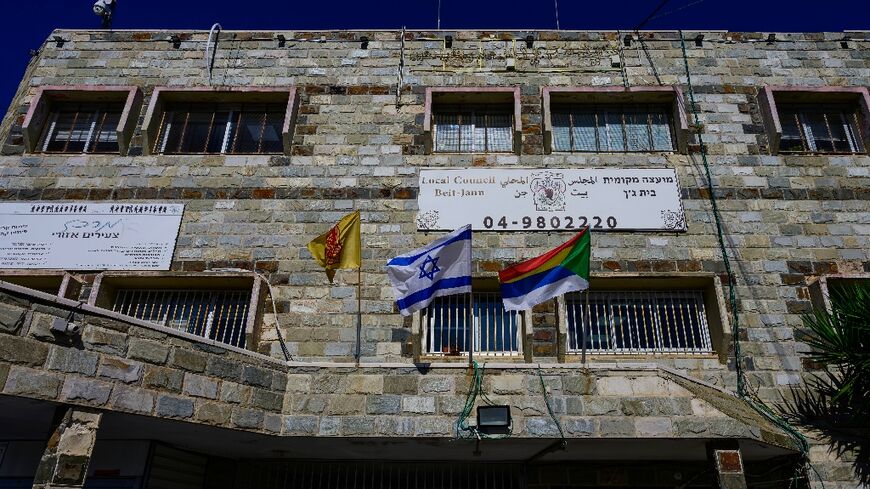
pixel 561 131
pixel 584 131
pixel 71 132
pixel 466 132
pixel 661 131
pixel 791 133
pixel 636 131
pixel 248 131
pixel 479 132
pixel 817 131
pixel 218 132
pixel 199 125
pixel 173 127
pixel 273 133
pixel 105 139
pixel 613 131
pixel 445 321
pixel 497 327
pixel 447 132
pixel 840 131
pixel 498 137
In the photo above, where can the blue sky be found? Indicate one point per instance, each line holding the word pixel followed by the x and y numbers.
pixel 26 24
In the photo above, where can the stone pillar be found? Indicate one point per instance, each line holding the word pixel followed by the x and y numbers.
pixel 68 452
pixel 727 464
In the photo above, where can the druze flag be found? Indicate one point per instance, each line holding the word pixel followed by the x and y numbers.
pixel 559 271
pixel 441 268
pixel 339 247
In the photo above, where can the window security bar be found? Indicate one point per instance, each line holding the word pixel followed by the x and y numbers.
pixel 472 129
pixel 220 129
pixel 86 128
pixel 495 331
pixel 629 322
pixel 380 475
pixel 219 315
pixel 811 129
pixel 612 128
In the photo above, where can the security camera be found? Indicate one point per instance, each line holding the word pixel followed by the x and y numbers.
pixel 63 326
pixel 104 7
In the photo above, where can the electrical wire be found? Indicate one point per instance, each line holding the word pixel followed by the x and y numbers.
pixel 651 14
pixel 756 403
pixel 463 430
pixel 550 409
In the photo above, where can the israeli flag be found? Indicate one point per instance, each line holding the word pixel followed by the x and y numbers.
pixel 441 268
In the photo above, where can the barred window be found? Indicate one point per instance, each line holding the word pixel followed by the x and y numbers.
pixel 219 315
pixel 82 128
pixel 612 128
pixel 673 321
pixel 815 129
pixel 495 331
pixel 221 129
pixel 473 129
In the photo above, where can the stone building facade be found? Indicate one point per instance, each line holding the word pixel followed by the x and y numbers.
pixel 284 401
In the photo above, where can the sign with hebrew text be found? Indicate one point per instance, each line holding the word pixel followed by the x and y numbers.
pixel 88 235
pixel 546 199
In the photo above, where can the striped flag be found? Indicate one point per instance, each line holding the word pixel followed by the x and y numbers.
pixel 561 270
pixel 441 268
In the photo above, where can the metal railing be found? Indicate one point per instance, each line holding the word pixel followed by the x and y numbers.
pixel 619 322
pixel 215 314
pixel 495 331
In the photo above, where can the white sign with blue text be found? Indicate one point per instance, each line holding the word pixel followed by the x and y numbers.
pixel 547 199
pixel 88 235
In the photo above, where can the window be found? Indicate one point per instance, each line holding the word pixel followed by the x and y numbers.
pixel 214 314
pixel 611 128
pixel 614 119
pixel 223 307
pixel 815 129
pixel 654 321
pixel 82 119
pixel 249 121
pixel 473 129
pixel 472 120
pixel 815 120
pixel 82 128
pixel 221 129
pixel 495 331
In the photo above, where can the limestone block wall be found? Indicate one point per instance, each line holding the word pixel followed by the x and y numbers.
pixel 359 144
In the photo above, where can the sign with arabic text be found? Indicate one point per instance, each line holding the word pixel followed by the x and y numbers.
pixel 88 235
pixel 499 199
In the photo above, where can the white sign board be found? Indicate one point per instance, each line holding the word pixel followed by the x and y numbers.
pixel 88 236
pixel 550 199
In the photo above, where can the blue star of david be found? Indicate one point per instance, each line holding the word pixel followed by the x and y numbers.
pixel 432 271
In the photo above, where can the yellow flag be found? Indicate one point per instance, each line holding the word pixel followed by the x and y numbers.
pixel 338 248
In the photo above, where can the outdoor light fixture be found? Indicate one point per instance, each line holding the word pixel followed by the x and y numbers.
pixel 699 40
pixel 364 42
pixel 175 40
pixel 771 38
pixel 494 420
pixel 626 41
pixel 282 41
pixel 448 41
pixel 530 41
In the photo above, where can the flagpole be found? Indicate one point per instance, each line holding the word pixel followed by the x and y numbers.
pixel 470 328
pixel 583 327
pixel 358 313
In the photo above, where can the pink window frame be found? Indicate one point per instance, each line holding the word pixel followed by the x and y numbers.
pixel 431 92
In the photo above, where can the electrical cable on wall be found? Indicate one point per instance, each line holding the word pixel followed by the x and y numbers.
pixel 215 32
pixel 756 403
